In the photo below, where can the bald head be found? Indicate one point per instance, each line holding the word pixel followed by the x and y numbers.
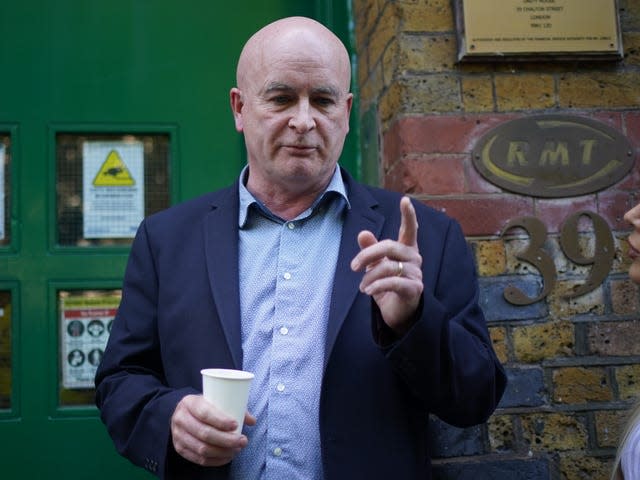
pixel 290 38
pixel 292 105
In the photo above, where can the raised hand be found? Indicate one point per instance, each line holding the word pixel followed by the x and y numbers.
pixel 393 270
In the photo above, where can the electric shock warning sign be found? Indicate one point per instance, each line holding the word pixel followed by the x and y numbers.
pixel 113 188
pixel 85 325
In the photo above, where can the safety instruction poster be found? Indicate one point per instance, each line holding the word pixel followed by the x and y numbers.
pixel 85 325
pixel 113 188
pixel 1 191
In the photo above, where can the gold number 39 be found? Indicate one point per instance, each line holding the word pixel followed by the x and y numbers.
pixel 601 261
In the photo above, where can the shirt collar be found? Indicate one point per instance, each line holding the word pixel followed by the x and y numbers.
pixel 336 188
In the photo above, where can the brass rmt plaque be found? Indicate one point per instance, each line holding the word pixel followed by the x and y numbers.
pixel 537 29
pixel 553 156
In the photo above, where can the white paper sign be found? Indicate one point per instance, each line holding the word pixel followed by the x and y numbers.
pixel 2 191
pixel 113 188
pixel 85 325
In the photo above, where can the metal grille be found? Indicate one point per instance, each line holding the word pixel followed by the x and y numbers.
pixel 76 215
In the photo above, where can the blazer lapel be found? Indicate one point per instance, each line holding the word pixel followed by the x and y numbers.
pixel 361 216
pixel 221 254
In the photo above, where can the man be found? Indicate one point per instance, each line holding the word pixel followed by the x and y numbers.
pixel 356 323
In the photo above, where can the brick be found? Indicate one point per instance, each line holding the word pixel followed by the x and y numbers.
pixel 385 30
pixel 554 212
pixel 483 215
pixel 420 94
pixel 580 467
pixel 538 342
pixel 612 118
pixel 497 309
pixel 501 433
pixel 427 175
pixel 609 424
pixel 390 104
pixel 369 91
pixel 553 431
pixel 614 338
pixel 393 146
pixel 499 342
pixel 562 306
pixel 490 257
pixel 577 385
pixel 628 380
pixel 629 16
pixel 632 123
pixel 509 468
pixel 624 297
pixel 594 89
pixel 369 148
pixel 390 61
pixel 622 261
pixel 426 53
pixel 524 92
pixel 366 13
pixel 447 441
pixel 613 205
pixel 477 94
pixel 525 388
pixel 435 16
pixel 442 134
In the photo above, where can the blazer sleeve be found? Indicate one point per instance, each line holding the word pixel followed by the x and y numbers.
pixel 131 392
pixel 447 359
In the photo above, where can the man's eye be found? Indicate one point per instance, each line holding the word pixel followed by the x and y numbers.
pixel 324 101
pixel 280 99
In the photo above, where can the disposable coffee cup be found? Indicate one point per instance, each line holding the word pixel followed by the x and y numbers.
pixel 228 390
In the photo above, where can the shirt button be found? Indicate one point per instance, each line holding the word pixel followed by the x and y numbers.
pixel 284 330
pixel 280 387
pixel 277 451
pixel 291 225
pixel 287 276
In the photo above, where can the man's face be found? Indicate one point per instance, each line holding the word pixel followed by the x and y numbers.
pixel 293 108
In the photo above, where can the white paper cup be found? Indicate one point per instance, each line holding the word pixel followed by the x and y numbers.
pixel 228 390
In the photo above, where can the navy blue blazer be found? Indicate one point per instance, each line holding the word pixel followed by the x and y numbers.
pixel 180 313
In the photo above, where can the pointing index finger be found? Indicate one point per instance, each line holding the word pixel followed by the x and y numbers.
pixel 408 233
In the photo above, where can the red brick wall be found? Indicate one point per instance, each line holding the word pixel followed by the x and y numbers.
pixel 574 363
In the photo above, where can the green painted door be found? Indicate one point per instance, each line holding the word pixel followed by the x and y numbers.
pixel 109 110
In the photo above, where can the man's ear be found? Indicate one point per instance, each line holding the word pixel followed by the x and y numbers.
pixel 235 96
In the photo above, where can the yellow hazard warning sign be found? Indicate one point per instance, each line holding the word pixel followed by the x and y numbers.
pixel 113 173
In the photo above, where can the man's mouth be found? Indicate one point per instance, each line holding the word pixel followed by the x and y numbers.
pixel 299 146
pixel 302 149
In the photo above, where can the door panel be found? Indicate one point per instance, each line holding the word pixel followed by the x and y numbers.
pixel 77 71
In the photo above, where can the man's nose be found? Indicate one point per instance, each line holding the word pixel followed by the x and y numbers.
pixel 302 118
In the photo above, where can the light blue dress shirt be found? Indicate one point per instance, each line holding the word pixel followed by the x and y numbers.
pixel 287 270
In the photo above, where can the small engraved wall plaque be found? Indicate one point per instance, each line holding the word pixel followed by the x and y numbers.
pixel 547 30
